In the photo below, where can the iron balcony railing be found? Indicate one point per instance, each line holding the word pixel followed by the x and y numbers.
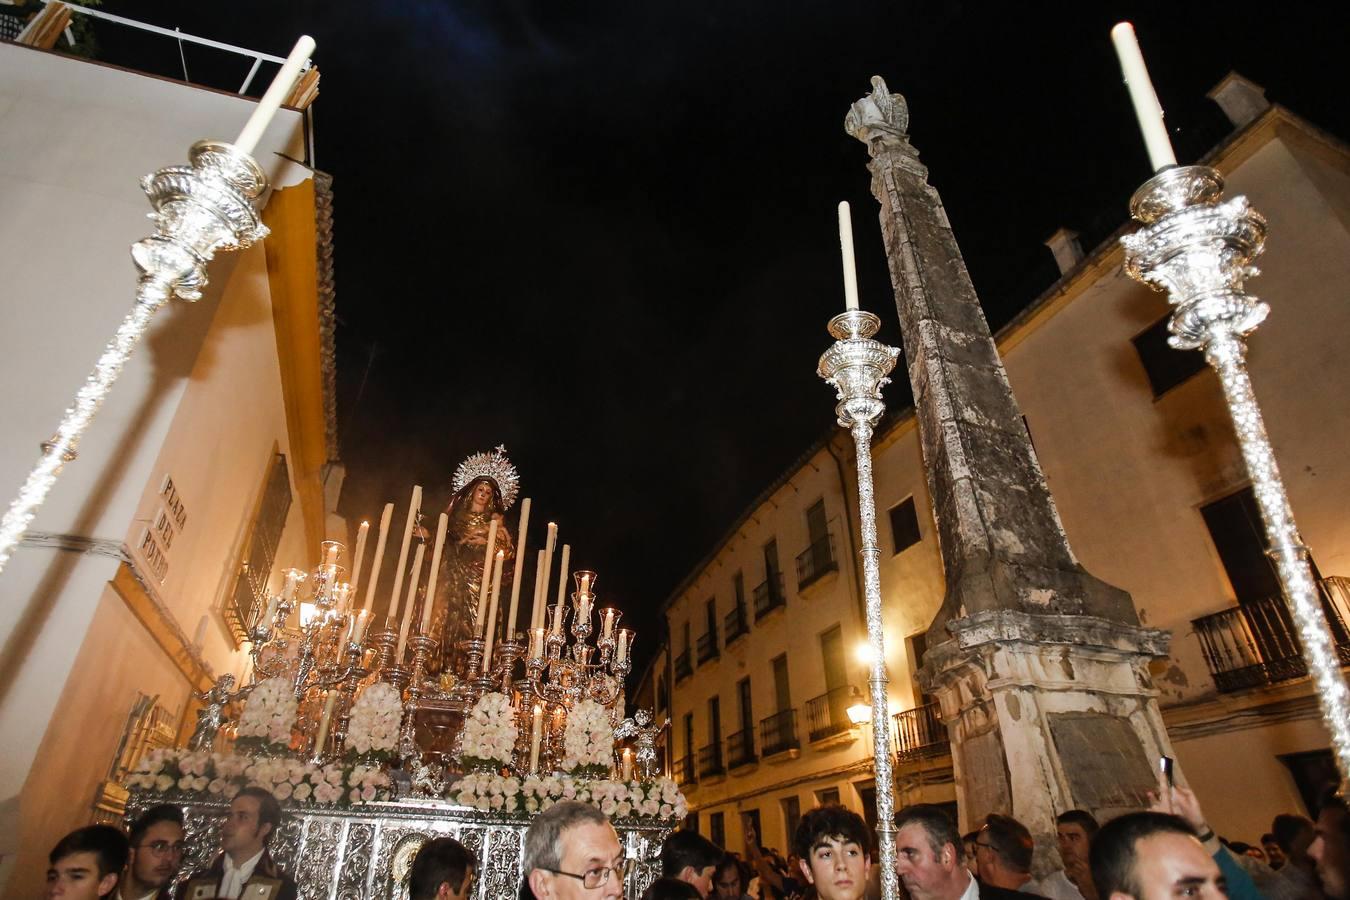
pixel 778 732
pixel 736 624
pixel 707 646
pixel 710 760
pixel 684 771
pixel 920 733
pixel 816 561
pixel 683 669
pixel 741 747
pixel 769 595
pixel 827 715
pixel 1254 644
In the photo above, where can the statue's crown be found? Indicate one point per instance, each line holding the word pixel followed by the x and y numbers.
pixel 494 465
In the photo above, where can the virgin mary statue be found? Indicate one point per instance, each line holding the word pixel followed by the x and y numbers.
pixel 485 487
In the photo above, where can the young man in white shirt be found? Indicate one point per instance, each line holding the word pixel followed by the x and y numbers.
pixel 252 820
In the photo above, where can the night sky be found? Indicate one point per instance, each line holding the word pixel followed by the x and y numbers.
pixel 604 234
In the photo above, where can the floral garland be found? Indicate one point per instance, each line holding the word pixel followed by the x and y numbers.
pixel 372 730
pixel 491 793
pixel 268 717
pixel 588 741
pixel 489 737
pixel 222 775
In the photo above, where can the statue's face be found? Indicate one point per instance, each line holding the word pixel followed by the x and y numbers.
pixel 481 497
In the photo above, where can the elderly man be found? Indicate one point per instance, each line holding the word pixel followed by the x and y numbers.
pixel 1147 855
pixel 441 870
pixel 244 866
pixel 85 864
pixel 573 853
pixel 1330 849
pixel 156 853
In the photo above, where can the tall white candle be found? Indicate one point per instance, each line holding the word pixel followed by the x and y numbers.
pixel 627 764
pixel 608 628
pixel 537 614
pixel 322 737
pixel 520 567
pixel 413 507
pixel 490 632
pixel 486 587
pixel 275 96
pixel 410 602
pixel 432 581
pixel 562 573
pixel 846 250
pixel 1147 109
pixel 536 735
pixel 625 637
pixel 557 618
pixel 361 534
pixel 359 624
pixel 379 555
pixel 550 543
pixel 270 613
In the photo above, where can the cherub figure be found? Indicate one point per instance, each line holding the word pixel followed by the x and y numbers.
pixel 640 727
pixel 212 714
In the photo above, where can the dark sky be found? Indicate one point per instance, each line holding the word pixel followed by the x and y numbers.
pixel 603 233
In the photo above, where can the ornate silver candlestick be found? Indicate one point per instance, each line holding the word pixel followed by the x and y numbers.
pixel 1198 248
pixel 198 210
pixel 857 368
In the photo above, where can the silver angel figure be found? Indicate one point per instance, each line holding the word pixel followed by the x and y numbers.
pixel 640 727
pixel 212 714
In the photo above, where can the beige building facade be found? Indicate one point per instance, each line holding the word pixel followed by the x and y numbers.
pixel 1135 443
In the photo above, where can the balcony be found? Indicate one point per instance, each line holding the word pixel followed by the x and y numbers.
pixel 920 734
pixel 827 715
pixel 707 647
pixel 710 761
pixel 684 771
pixel 1255 644
pixel 736 624
pixel 769 595
pixel 816 561
pixel 683 669
pixel 778 732
pixel 741 748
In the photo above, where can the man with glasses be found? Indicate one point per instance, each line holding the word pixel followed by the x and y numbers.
pixel 442 870
pixel 573 853
pixel 156 853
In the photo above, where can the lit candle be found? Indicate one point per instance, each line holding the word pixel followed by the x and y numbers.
pixel 627 764
pixel 293 579
pixel 361 534
pixel 359 624
pixel 486 586
pixel 846 250
pixel 379 555
pixel 536 735
pixel 1147 109
pixel 413 507
pixel 537 643
pixel 410 602
pixel 341 596
pixel 537 612
pixel 625 637
pixel 608 626
pixel 330 552
pixel 490 632
pixel 585 584
pixel 276 94
pixel 520 567
pixel 557 618
pixel 271 612
pixel 550 544
pixel 322 737
pixel 584 612
pixel 433 582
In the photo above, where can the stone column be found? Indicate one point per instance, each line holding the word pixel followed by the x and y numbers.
pixel 1041 668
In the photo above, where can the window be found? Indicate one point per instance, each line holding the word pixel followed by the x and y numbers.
pixel 904 525
pixel 827 797
pixel 781 692
pixel 747 712
pixel 771 568
pixel 918 646
pixel 867 795
pixel 714 721
pixel 750 819
pixel 792 814
pixel 662 700
pixel 250 588
pixel 1165 367
pixel 738 585
pixel 689 734
pixel 1235 526
pixel 717 832
pixel 816 529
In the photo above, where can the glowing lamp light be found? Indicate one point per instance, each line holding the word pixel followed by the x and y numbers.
pixel 307 613
pixel 859 713
pixel 863 653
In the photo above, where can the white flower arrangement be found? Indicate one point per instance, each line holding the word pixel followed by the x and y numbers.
pixel 588 741
pixel 222 775
pixel 372 730
pixel 268 716
pixel 489 736
pixel 658 800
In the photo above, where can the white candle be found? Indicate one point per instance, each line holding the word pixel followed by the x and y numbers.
pixel 410 602
pixel 627 764
pixel 486 586
pixel 275 96
pixel 608 627
pixel 537 612
pixel 557 618
pixel 536 734
pixel 520 567
pixel 846 250
pixel 432 581
pixel 322 737
pixel 584 612
pixel 361 534
pixel 270 613
pixel 293 579
pixel 341 597
pixel 490 632
pixel 562 572
pixel 550 544
pixel 413 507
pixel 330 553
pixel 379 555
pixel 1147 109
pixel 625 635
pixel 537 643
pixel 360 625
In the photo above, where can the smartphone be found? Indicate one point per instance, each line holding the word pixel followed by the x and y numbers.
pixel 1165 767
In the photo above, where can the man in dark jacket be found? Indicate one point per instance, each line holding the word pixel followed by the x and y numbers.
pixel 244 869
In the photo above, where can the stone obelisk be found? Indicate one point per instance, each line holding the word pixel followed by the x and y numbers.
pixel 1041 669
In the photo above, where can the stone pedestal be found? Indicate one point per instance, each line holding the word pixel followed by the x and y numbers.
pixel 1040 667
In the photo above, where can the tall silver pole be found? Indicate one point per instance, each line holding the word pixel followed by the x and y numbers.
pixel 857 367
pixel 1199 248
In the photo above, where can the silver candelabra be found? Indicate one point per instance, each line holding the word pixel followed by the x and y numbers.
pixel 1198 248
pixel 857 366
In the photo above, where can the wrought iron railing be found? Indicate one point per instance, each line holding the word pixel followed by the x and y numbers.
pixel 769 595
pixel 1253 644
pixel 683 668
pixel 778 732
pixel 816 561
pixel 707 646
pixel 741 747
pixel 920 733
pixel 684 771
pixel 736 624
pixel 710 760
pixel 827 715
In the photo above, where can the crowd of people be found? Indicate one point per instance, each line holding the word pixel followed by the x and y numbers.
pixel 572 852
